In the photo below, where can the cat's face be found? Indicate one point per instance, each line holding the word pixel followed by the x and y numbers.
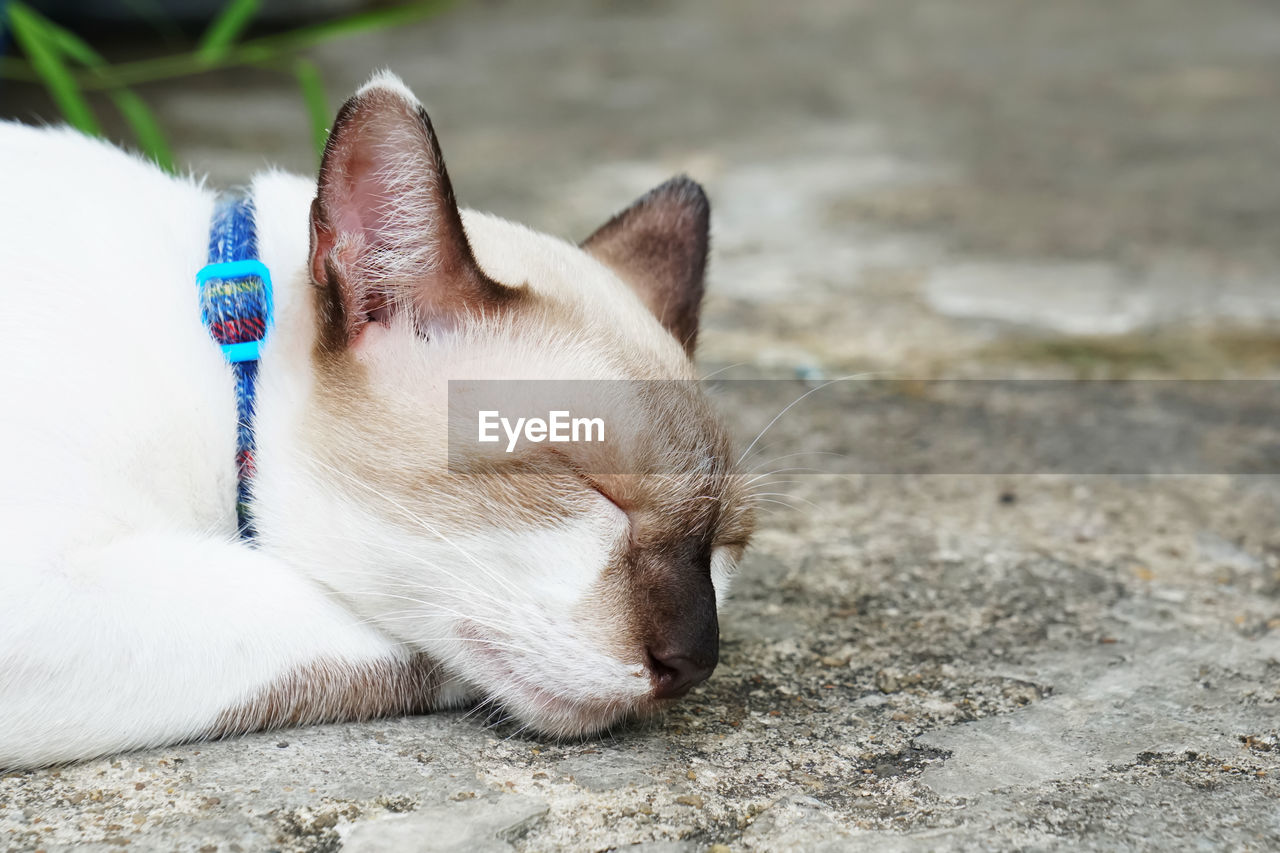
pixel 571 584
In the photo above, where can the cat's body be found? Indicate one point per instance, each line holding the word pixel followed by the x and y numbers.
pixel 130 612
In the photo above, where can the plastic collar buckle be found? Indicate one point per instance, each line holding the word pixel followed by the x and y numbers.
pixel 231 271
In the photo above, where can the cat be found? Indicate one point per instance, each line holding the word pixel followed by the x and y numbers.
pixel 379 579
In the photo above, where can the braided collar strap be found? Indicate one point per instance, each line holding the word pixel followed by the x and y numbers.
pixel 236 305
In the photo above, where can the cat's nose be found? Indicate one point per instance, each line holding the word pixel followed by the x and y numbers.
pixel 674 672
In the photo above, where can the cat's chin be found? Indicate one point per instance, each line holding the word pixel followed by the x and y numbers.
pixel 551 715
pixel 564 719
pixel 558 714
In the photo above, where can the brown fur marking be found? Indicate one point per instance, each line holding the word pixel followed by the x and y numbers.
pixel 327 692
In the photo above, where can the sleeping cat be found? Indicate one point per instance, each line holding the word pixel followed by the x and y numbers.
pixel 366 575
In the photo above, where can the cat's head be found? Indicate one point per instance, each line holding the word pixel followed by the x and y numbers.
pixel 569 588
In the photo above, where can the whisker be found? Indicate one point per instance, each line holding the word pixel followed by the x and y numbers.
pixel 811 504
pixel 779 503
pixel 721 370
pixel 801 453
pixel 437 605
pixel 435 567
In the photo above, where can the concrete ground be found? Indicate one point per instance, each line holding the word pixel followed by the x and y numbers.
pixel 936 661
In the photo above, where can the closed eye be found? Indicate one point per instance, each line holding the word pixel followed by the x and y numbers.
pixel 590 481
pixel 610 498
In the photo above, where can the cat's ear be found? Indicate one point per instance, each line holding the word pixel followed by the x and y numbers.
pixel 386 236
pixel 658 245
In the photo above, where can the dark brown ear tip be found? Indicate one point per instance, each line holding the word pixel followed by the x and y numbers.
pixel 685 191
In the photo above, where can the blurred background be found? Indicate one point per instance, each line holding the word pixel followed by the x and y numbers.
pixel 903 187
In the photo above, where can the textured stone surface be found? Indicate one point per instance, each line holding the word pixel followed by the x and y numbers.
pixel 467 826
pixel 988 188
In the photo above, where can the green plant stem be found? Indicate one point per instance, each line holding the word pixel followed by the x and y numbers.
pixel 317 102
pixel 145 127
pixel 39 41
pixel 225 29
pixel 261 50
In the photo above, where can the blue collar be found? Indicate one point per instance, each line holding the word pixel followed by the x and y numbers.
pixel 236 306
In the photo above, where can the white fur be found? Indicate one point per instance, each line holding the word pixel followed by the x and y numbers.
pixel 129 612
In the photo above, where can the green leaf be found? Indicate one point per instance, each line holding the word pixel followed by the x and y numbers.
pixel 225 29
pixel 39 41
pixel 151 139
pixel 146 129
pixel 263 50
pixel 317 102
